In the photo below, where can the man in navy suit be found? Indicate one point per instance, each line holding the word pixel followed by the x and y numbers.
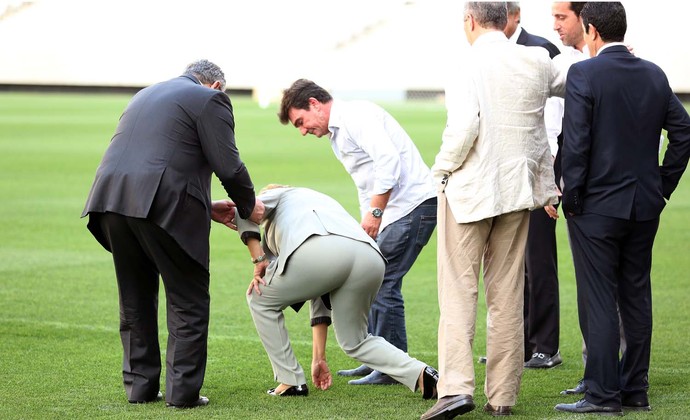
pixel 541 311
pixel 616 106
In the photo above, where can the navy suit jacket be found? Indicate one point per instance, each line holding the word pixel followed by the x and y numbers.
pixel 530 40
pixel 616 106
pixel 158 166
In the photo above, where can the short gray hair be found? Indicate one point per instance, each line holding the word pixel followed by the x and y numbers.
pixel 513 7
pixel 206 72
pixel 488 14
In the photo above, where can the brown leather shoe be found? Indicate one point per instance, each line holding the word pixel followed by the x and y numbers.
pixel 449 407
pixel 499 410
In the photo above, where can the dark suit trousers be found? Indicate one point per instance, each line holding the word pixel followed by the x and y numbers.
pixel 613 260
pixel 541 310
pixel 141 252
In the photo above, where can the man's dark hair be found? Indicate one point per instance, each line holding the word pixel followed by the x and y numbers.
pixel 488 14
pixel 576 7
pixel 297 96
pixel 609 19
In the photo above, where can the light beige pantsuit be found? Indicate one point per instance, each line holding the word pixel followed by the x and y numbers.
pixel 497 243
pixel 352 272
pixel 319 248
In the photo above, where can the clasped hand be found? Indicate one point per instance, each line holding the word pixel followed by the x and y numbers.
pixel 224 212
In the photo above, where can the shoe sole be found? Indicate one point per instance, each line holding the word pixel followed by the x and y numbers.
pixel 355 382
pixel 631 408
pixel 598 413
pixel 457 409
pixel 543 367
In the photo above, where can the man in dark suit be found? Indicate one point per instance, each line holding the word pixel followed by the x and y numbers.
pixel 616 106
pixel 150 206
pixel 541 311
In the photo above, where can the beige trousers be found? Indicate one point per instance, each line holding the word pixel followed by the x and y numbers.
pixel 499 244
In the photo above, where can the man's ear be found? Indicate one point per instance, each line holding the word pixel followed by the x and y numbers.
pixel 216 85
pixel 593 32
pixel 314 102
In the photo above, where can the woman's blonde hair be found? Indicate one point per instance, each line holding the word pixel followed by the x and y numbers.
pixel 272 187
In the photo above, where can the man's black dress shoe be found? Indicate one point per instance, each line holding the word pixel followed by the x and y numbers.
pixel 360 371
pixel 293 391
pixel 499 410
pixel 430 380
pixel 636 405
pixel 158 397
pixel 198 403
pixel 585 407
pixel 580 388
pixel 544 361
pixel 374 378
pixel 449 407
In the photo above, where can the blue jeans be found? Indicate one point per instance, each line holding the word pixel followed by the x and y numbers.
pixel 400 242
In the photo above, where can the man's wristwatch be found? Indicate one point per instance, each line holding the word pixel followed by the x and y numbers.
pixel 376 212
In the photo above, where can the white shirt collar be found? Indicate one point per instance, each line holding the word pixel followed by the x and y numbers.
pixel 491 36
pixel 610 44
pixel 513 38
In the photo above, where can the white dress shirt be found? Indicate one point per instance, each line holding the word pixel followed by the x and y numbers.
pixel 379 156
pixel 563 61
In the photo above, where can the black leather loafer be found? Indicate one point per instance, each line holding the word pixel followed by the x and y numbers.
pixel 293 391
pixel 636 405
pixel 158 397
pixel 544 361
pixel 430 380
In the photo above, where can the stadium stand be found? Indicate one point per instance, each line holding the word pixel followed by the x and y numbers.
pixel 378 49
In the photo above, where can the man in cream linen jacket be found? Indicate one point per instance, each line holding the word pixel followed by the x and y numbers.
pixel 493 167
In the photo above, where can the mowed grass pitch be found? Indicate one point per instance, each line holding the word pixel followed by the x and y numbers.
pixel 60 354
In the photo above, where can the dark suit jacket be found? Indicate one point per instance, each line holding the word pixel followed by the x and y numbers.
pixel 158 166
pixel 530 40
pixel 616 105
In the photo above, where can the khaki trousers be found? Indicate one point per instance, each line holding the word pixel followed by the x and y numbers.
pixel 499 244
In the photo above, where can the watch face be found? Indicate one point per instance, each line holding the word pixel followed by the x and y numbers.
pixel 377 212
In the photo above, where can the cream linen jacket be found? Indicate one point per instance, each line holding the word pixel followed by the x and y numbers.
pixel 495 156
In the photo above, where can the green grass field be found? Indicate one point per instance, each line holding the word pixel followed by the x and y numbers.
pixel 60 354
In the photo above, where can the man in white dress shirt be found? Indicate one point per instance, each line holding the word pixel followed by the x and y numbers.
pixel 494 166
pixel 397 197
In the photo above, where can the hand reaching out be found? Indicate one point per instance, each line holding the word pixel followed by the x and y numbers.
pixel 320 374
